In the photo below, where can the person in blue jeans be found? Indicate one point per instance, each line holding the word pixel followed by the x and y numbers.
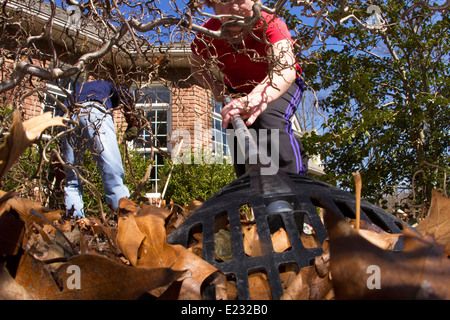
pixel 96 101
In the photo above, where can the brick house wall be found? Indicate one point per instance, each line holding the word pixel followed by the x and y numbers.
pixel 30 105
pixel 191 112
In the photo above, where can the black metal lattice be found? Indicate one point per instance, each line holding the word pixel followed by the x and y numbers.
pixel 281 200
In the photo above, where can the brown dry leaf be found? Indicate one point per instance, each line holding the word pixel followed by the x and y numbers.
pixel 385 242
pixel 18 222
pixel 197 246
pixel 288 273
pixel 311 283
pixel 310 241
pixel 153 251
pixel 232 291
pixel 194 205
pixel 100 278
pixel 129 238
pixel 280 240
pixel 438 221
pixel 376 235
pixel 35 278
pixel 24 209
pixel 175 221
pixel 252 246
pixel 10 289
pixel 179 216
pixel 295 290
pixel 21 135
pixel 49 244
pixel 222 245
pixel 308 286
pixel 97 233
pixel 421 271
pixel 259 286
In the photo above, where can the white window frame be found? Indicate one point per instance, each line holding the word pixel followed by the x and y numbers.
pixel 156 106
pixel 218 145
pixel 55 91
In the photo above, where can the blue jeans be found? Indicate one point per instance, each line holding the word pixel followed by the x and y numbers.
pixel 97 132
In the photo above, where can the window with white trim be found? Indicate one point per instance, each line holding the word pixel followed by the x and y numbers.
pixel 219 137
pixel 52 89
pixel 49 104
pixel 155 101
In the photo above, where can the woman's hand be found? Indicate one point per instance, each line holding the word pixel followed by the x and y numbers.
pixel 249 107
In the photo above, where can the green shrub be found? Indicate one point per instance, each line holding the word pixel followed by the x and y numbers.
pixel 195 181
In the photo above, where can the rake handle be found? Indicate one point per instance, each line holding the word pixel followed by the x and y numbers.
pixel 245 139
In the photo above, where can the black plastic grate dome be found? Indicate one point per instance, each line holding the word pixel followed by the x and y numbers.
pixel 281 200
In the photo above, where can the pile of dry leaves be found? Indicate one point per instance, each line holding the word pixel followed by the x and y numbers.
pixel 126 256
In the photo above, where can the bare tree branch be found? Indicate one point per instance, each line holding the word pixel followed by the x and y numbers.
pixel 418 4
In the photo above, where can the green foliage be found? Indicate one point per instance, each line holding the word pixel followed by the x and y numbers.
pixel 195 181
pixel 388 102
pixel 135 167
pixel 92 174
pixel 33 178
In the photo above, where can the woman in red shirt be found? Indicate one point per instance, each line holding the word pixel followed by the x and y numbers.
pixel 259 72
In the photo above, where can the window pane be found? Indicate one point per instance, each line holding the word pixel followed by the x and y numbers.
pixel 219 144
pixel 162 116
pixel 162 141
pixel 218 136
pixel 50 105
pixel 153 95
pixel 162 129
pixel 216 106
pixel 216 124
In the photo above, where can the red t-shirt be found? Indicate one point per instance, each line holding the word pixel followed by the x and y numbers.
pixel 247 66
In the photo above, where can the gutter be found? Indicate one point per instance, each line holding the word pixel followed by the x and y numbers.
pixel 88 39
